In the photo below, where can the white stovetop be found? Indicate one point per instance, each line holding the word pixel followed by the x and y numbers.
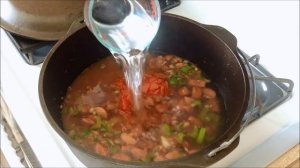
pixel 269 28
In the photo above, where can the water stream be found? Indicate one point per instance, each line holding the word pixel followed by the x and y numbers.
pixel 133 66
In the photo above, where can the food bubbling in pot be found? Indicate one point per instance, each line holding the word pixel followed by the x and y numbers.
pixel 181 112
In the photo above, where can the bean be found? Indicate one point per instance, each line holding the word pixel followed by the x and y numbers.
pixel 208 93
pixel 171 66
pixel 138 153
pixel 194 121
pixel 121 156
pixel 152 63
pixel 100 111
pixel 184 106
pixel 161 108
pixel 196 92
pixel 198 83
pixel 128 139
pixel 168 57
pixel 173 154
pixel 188 100
pixel 159 158
pixel 111 105
pixel 160 61
pixel 184 91
pixel 88 121
pixel 101 150
pixel 148 102
pixel 214 105
pixel 179 65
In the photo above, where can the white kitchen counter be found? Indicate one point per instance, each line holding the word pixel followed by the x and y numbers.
pixel 268 28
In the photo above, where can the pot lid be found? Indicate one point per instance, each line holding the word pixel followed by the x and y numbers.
pixel 42 20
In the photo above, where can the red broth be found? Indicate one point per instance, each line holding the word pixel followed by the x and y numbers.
pixel 181 112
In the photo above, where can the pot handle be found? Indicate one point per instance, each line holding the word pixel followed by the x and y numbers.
pixel 223 34
pixel 76 25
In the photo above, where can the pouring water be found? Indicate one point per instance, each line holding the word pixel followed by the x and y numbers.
pixel 126 28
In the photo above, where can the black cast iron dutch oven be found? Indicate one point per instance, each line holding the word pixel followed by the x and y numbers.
pixel 212 48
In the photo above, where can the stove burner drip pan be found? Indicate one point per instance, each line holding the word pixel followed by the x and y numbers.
pixel 270 91
pixel 266 93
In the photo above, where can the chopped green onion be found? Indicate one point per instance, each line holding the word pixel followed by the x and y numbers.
pixel 173 80
pixel 109 142
pixel 194 132
pixel 180 137
pixel 185 69
pixel 113 149
pixel 74 137
pixel 201 77
pixel 215 118
pixel 149 157
pixel 86 132
pixel 204 114
pixel 96 139
pixel 166 130
pixel 180 126
pixel 116 133
pixel 196 103
pixel 206 109
pixel 72 111
pixel 201 135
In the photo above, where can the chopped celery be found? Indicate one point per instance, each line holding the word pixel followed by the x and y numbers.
pixel 205 109
pixel 208 116
pixel 201 77
pixel 215 118
pixel 109 142
pixel 109 125
pixel 180 137
pixel 201 135
pixel 194 132
pixel 166 130
pixel 196 103
pixel 97 125
pixel 72 111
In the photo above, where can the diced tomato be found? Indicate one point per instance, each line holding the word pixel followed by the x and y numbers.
pixel 125 103
pixel 154 86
